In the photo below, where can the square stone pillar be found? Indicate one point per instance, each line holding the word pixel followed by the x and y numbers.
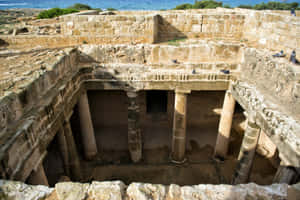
pixel 134 130
pixel 38 176
pixel 247 151
pixel 179 127
pixel 87 130
pixel 225 123
pixel 74 161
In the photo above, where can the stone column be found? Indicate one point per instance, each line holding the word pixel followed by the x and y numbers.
pixel 247 152
pixel 63 146
pixel 284 174
pixel 224 130
pixel 179 127
pixel 38 176
pixel 87 130
pixel 74 162
pixel 134 130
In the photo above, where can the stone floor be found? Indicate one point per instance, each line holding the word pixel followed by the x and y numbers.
pixel 156 167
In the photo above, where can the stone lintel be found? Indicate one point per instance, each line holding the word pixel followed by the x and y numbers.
pixel 202 85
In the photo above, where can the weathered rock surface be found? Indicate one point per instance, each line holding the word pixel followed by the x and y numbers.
pixel 106 190
pixel 70 191
pixel 12 190
pixel 143 191
pixel 137 191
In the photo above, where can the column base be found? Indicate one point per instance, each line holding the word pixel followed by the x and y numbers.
pixel 91 156
pixel 136 156
pixel 218 159
pixel 178 162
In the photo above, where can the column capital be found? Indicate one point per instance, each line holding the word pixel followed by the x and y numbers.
pixel 251 117
pixel 229 91
pixel 182 91
pixel 230 87
pixel 83 90
pixel 131 93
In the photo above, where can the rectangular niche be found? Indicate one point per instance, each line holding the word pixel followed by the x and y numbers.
pixel 157 101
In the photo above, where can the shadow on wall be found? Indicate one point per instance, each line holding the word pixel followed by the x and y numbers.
pixel 106 74
pixel 167 32
pixel 103 73
pixel 3 43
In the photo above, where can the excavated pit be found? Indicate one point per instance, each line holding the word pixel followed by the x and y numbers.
pixel 109 115
pixel 128 104
pixel 110 107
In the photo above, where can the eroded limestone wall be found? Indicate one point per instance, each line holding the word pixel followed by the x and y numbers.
pixel 274 30
pixel 275 77
pixel 196 53
pixel 202 26
pixel 216 53
pixel 265 29
pixel 141 191
pixel 269 87
pixel 32 116
pixel 139 29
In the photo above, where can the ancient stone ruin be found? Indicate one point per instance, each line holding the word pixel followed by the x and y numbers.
pixel 162 105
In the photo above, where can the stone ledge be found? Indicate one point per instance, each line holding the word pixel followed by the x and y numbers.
pixel 117 190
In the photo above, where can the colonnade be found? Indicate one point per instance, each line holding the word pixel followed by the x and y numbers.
pixel 248 148
pixel 246 156
pixel 284 174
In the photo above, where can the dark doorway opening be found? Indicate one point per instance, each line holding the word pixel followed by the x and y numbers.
pixel 157 101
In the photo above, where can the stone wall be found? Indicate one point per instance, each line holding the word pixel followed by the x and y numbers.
pixel 33 115
pixel 196 53
pixel 272 31
pixel 117 190
pixel 138 29
pixel 204 53
pixel 202 109
pixel 275 77
pixel 202 26
pixel 54 41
